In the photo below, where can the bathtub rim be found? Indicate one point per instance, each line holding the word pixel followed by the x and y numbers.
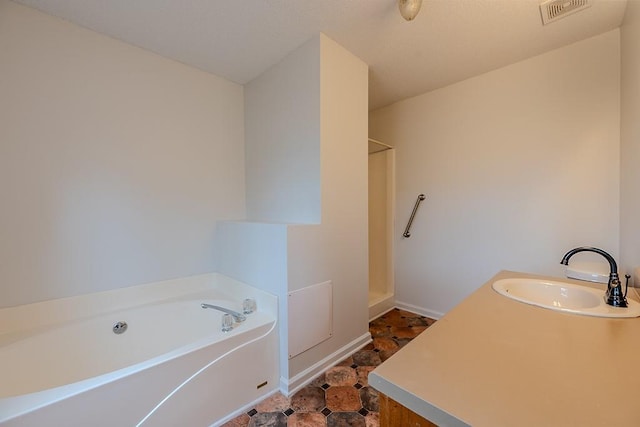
pixel 51 313
pixel 15 406
pixel 193 287
pixel 207 332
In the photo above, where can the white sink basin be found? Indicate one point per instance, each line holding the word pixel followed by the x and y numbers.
pixel 563 296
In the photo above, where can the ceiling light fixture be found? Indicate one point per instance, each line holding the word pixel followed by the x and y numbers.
pixel 409 8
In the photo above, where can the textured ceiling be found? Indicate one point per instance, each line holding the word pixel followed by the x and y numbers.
pixel 449 41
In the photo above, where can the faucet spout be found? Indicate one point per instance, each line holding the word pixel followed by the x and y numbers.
pixel 612 262
pixel 613 296
pixel 238 317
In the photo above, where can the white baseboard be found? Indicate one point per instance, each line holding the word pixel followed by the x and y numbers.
pixel 381 306
pixel 419 310
pixel 289 386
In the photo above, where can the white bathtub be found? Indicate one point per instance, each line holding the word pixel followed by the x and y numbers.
pixel 61 363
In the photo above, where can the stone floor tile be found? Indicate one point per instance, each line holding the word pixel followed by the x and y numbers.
pixel 403 341
pixel 370 399
pixel 368 347
pixel 372 419
pixel 345 419
pixel 383 343
pixel 343 398
pixel 268 419
pixel 362 373
pixel 417 321
pixel 385 354
pixel 405 332
pixel 397 317
pixel 308 399
pixel 307 419
pixel 380 331
pixel 394 312
pixel 380 321
pixel 346 362
pixel 274 403
pixel 419 329
pixel 341 376
pixel 399 323
pixel 405 313
pixel 366 358
pixel 239 421
pixel 318 381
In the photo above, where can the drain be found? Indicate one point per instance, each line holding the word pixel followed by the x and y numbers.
pixel 119 327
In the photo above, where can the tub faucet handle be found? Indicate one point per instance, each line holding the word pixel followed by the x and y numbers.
pixel 227 322
pixel 248 306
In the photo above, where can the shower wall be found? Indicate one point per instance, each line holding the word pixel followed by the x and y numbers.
pixel 381 229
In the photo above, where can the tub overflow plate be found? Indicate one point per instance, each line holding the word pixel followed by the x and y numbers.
pixel 119 327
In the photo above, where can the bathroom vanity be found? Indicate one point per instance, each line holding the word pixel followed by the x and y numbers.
pixel 494 361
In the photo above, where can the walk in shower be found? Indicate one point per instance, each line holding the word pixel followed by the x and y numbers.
pixel 381 219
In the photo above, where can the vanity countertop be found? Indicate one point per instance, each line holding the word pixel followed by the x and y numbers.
pixel 493 361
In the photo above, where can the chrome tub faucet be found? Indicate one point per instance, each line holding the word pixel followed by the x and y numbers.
pixel 237 317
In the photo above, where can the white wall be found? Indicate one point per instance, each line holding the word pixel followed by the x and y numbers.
pixel 337 249
pixel 518 166
pixel 115 163
pixel 630 139
pixel 283 139
pixel 335 128
pixel 282 161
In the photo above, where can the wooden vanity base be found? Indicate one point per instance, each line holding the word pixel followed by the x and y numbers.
pixel 393 414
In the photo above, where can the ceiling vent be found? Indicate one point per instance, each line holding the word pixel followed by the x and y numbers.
pixel 552 10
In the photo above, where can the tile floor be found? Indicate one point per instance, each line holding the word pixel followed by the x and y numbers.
pixel 341 396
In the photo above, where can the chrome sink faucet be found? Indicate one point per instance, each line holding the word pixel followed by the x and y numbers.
pixel 238 317
pixel 613 295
